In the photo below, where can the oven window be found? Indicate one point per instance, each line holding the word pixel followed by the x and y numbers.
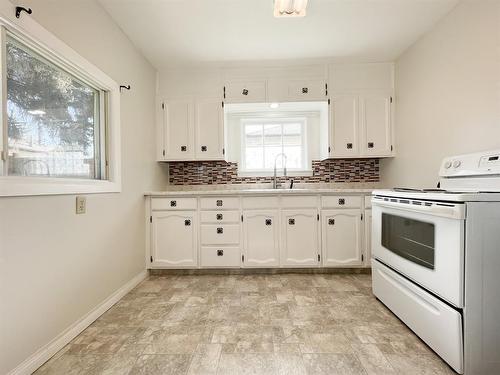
pixel 411 239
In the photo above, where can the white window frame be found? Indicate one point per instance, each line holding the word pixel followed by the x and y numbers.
pixel 243 172
pixel 50 47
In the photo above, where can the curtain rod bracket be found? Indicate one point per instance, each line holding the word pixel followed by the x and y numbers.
pixel 22 9
pixel 124 87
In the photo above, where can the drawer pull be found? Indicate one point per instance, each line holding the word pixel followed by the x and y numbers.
pixel 220 230
pixel 371 144
pixel 349 146
pixel 341 201
pixel 173 203
pixel 187 223
pixel 183 148
pixel 331 221
pixel 219 217
pixel 203 148
pixel 220 253
pixel 269 222
pixel 245 92
pixel 219 203
pixel 291 221
pixel 305 90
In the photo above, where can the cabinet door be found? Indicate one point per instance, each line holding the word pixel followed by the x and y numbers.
pixel 209 130
pixel 344 126
pixel 376 125
pixel 245 92
pixel 179 130
pixel 300 245
pixel 306 90
pixel 174 239
pixel 368 238
pixel 341 237
pixel 261 238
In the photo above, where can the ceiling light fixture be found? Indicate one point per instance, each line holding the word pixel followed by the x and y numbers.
pixel 274 105
pixel 290 8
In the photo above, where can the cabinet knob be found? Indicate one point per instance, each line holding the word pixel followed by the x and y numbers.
pixel 220 230
pixel 245 92
pixel 291 221
pixel 371 144
pixel 183 148
pixel 187 223
pixel 219 217
pixel 269 221
pixel 173 203
pixel 349 146
pixel 220 253
pixel 305 90
pixel 219 203
pixel 341 201
pixel 203 148
pixel 331 221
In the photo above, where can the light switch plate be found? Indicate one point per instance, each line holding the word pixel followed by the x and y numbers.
pixel 81 205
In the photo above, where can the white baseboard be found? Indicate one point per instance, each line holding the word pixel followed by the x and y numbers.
pixel 41 356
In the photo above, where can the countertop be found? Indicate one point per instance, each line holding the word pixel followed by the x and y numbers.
pixel 297 191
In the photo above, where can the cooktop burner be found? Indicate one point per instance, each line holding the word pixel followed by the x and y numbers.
pixel 431 190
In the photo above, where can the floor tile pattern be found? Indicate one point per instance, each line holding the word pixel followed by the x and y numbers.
pixel 248 324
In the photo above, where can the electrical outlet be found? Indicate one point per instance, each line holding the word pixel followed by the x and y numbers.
pixel 81 205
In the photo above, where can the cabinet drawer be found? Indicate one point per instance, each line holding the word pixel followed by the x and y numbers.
pixel 338 201
pixel 299 202
pixel 222 217
pixel 220 256
pixel 158 204
pixel 255 203
pixel 220 203
pixel 368 201
pixel 213 234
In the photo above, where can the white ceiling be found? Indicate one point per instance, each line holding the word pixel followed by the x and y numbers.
pixel 194 32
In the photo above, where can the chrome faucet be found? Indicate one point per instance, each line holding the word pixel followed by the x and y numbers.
pixel 275 182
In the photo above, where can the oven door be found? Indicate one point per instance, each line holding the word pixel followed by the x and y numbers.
pixel 423 241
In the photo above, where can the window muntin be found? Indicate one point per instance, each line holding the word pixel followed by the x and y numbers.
pixel 55 121
pixel 264 139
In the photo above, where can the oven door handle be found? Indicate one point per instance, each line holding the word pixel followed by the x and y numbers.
pixel 448 210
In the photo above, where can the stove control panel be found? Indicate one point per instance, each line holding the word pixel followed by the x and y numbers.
pixel 478 164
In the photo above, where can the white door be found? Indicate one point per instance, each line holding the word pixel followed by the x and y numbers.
pixel 300 245
pixel 209 129
pixel 376 125
pixel 341 237
pixel 174 239
pixel 344 125
pixel 368 238
pixel 261 238
pixel 179 130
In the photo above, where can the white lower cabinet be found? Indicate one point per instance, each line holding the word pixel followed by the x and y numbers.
pixel 261 238
pixel 300 244
pixel 220 256
pixel 341 237
pixel 368 237
pixel 174 239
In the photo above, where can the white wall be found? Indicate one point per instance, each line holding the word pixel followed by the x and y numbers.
pixel 56 266
pixel 447 94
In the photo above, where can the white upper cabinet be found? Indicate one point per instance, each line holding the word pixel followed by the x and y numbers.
pixel 300 245
pixel 297 90
pixel 344 117
pixel 209 129
pixel 178 130
pixel 375 110
pixel 341 238
pixel 191 130
pixel 245 91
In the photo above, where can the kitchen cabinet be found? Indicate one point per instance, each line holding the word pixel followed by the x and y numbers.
pixel 261 238
pixel 360 126
pixel 297 90
pixel 174 239
pixel 300 244
pixel 251 91
pixel 368 238
pixel 192 130
pixel 341 238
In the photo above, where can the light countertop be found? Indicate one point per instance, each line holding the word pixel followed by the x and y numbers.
pixel 297 191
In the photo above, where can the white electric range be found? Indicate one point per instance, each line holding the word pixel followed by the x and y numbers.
pixel 436 260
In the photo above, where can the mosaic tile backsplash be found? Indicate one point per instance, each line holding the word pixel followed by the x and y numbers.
pixel 224 173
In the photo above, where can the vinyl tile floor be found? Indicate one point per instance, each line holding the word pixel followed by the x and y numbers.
pixel 248 324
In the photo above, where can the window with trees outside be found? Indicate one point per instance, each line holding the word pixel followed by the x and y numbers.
pixel 264 139
pixel 54 121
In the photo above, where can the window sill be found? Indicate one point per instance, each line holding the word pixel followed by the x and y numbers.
pixel 290 173
pixel 33 186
